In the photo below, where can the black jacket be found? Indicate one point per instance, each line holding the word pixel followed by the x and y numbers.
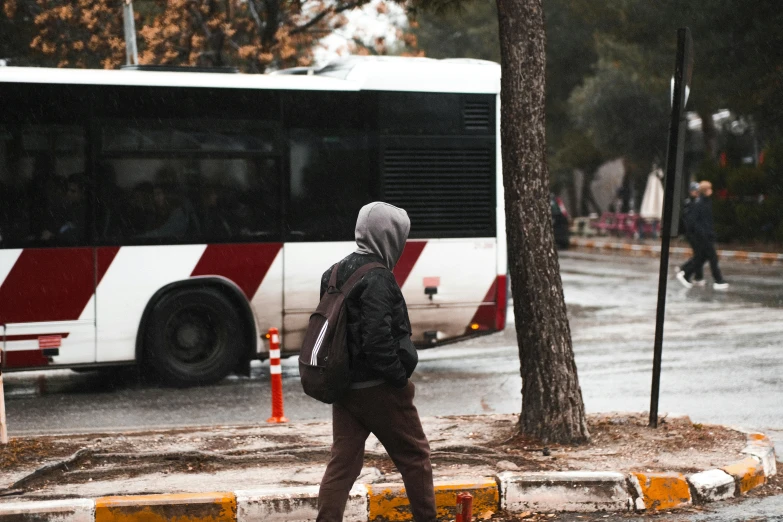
pixel 701 223
pixel 377 323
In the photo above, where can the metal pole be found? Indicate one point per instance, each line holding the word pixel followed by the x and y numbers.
pixel 131 51
pixel 3 425
pixel 674 146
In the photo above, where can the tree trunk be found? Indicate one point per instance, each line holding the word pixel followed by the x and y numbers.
pixel 552 407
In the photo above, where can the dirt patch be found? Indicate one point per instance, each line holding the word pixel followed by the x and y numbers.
pixel 624 442
pixel 23 453
pixel 479 445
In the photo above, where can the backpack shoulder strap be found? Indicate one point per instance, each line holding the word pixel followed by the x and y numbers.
pixel 358 275
pixel 333 279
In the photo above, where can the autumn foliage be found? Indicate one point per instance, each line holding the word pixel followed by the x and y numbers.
pixel 253 35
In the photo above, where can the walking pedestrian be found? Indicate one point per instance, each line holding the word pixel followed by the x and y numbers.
pixel 704 238
pixel 380 397
pixel 687 215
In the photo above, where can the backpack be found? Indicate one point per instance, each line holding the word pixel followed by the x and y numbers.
pixel 325 361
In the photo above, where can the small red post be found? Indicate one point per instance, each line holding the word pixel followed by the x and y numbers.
pixel 464 507
pixel 276 377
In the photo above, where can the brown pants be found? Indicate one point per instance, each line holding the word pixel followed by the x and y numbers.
pixel 390 415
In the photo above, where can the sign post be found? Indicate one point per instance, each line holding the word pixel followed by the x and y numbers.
pixel 673 196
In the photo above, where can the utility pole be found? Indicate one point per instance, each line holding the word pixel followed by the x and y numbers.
pixel 131 51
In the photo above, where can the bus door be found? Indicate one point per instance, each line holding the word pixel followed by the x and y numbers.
pixel 47 268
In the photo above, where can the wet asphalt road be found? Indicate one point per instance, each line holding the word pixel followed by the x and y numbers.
pixel 722 363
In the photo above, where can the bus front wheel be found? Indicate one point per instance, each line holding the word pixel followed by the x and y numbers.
pixel 194 337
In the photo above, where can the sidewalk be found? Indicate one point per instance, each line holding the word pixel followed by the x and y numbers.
pixel 271 472
pixel 677 248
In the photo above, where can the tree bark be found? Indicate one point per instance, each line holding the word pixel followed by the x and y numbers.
pixel 552 407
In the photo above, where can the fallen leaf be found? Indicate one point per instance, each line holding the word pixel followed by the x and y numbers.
pixel 487 515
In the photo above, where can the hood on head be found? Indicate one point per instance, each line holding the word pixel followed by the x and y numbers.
pixel 382 229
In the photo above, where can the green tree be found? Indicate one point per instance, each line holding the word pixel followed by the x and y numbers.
pixel 737 63
pixel 624 112
pixel 470 31
pixel 16 31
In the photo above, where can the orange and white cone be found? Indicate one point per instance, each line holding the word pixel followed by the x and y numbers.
pixel 275 377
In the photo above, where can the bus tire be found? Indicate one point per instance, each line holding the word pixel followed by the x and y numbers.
pixel 194 337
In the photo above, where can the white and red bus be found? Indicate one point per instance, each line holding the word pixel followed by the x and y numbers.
pixel 171 218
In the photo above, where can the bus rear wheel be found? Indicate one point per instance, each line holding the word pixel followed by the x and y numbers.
pixel 194 337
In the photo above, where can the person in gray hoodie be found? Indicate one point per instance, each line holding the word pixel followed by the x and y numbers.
pixel 380 397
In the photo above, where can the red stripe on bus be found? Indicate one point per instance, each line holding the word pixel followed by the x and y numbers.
pixel 492 314
pixel 104 257
pixel 24 359
pixel 47 284
pixel 245 265
pixel 33 337
pixel 410 254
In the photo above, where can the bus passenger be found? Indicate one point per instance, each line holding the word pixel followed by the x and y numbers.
pixel 72 230
pixel 213 219
pixel 175 217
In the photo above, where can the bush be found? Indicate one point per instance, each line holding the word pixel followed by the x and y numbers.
pixel 748 201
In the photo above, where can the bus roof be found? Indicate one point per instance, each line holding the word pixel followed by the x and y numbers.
pixel 378 73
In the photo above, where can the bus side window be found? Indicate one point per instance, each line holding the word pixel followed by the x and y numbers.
pixel 329 183
pixel 187 182
pixel 43 190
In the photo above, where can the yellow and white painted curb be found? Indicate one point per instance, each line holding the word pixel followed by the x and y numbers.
pixel 294 504
pixel 182 507
pixel 388 502
pixel 563 491
pixel 79 510
pixel 768 258
pixel 659 491
pixel 513 492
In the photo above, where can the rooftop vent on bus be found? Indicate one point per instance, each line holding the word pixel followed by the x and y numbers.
pixel 181 68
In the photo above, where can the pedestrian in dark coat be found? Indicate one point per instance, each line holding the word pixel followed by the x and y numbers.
pixel 380 397
pixel 703 227
pixel 687 215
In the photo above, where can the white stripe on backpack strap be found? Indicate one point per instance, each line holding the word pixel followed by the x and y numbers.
pixel 318 342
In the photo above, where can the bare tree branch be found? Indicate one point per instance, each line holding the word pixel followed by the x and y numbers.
pixel 251 4
pixel 320 16
pixel 200 20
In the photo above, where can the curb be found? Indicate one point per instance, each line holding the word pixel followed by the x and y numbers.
pixel 655 251
pixel 388 502
pixel 514 492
